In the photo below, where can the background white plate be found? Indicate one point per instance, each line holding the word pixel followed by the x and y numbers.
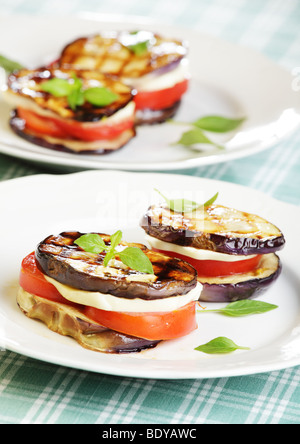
pixel 34 207
pixel 226 80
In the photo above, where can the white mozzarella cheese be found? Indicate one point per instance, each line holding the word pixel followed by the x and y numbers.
pixel 109 302
pixel 194 252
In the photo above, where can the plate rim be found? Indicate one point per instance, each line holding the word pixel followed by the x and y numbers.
pixel 48 157
pixel 110 367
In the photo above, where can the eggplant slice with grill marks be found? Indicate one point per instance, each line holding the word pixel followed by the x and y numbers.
pixel 25 92
pixel 222 230
pixel 61 259
pixel 216 228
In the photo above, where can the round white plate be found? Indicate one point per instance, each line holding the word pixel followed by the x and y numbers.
pixel 226 80
pixel 35 207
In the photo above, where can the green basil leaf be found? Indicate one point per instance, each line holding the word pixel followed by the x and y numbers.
pixel 75 98
pixel 179 205
pixel 211 200
pixel 185 205
pixel 9 65
pixel 220 345
pixel 139 48
pixel 247 307
pixel 100 96
pixel 217 124
pixel 136 259
pixel 57 87
pixel 196 136
pixel 243 308
pixel 115 239
pixel 91 243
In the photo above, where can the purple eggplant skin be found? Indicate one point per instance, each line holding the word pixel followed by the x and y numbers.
pixel 152 117
pixel 210 241
pixel 246 289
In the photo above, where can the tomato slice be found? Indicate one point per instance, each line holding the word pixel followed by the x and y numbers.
pixel 32 280
pixel 161 99
pixel 39 124
pixel 153 326
pixel 70 128
pixel 95 131
pixel 209 268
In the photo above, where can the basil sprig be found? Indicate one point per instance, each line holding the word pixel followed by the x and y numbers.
pixel 243 308
pixel 132 257
pixel 185 205
pixel 220 345
pixel 76 96
pixel 141 46
pixel 211 123
pixel 9 65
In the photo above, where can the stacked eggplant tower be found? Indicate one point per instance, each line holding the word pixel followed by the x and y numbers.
pixel 48 120
pixel 108 308
pixel 234 252
pixel 155 66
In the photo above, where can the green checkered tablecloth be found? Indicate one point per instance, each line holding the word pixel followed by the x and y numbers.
pixel 37 392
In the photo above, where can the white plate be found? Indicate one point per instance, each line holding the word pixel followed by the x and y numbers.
pixel 226 80
pixel 34 207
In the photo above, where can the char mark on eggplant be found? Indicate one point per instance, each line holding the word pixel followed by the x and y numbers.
pixel 61 259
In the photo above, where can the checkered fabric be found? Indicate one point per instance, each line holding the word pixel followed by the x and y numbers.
pixel 37 392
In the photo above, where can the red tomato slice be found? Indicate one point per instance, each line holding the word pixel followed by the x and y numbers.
pixel 161 99
pixel 32 280
pixel 153 326
pixel 70 128
pixel 95 131
pixel 208 268
pixel 40 125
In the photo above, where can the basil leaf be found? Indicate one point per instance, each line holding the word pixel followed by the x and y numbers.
pixel 211 200
pixel 247 307
pixel 9 65
pixel 179 205
pixel 75 98
pixel 139 48
pixel 220 345
pixel 100 96
pixel 115 239
pixel 91 243
pixel 217 124
pixel 243 308
pixel 185 205
pixel 136 259
pixel 196 136
pixel 57 87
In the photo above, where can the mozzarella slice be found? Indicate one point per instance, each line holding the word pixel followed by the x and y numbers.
pixel 204 255
pixel 109 302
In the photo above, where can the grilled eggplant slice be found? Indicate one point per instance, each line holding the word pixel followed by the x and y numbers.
pixel 76 130
pixel 69 321
pixel 25 86
pixel 61 259
pixel 242 286
pixel 111 53
pixel 216 228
